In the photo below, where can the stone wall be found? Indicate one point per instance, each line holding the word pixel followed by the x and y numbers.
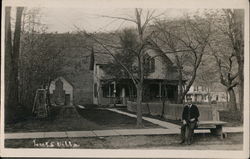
pixel 174 111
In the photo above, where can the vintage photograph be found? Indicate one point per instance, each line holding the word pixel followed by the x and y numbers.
pixel 133 78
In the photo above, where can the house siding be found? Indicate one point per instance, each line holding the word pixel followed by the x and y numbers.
pixel 83 92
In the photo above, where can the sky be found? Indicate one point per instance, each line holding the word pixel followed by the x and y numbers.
pixel 91 19
pixel 66 15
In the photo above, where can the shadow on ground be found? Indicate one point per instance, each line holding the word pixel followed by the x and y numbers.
pixel 76 119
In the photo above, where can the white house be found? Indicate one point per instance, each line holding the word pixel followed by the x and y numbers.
pixel 202 94
pixel 162 80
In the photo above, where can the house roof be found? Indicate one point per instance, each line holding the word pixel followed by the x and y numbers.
pixel 65 79
pixel 217 87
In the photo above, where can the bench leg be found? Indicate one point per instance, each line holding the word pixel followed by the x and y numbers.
pixel 218 131
pixel 224 135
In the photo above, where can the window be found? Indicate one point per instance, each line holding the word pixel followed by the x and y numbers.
pixel 149 63
pixel 152 65
pixel 105 90
pixel 108 90
pixel 199 88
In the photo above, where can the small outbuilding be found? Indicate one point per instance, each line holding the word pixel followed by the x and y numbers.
pixel 61 92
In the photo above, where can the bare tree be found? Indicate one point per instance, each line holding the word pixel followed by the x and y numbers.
pixel 235 31
pixel 227 66
pixel 186 40
pixel 12 58
pixel 9 107
pixel 230 24
pixel 138 76
pixel 41 57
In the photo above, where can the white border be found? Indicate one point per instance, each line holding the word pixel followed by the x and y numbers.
pixel 122 152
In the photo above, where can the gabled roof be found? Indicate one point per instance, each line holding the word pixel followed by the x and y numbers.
pixel 64 79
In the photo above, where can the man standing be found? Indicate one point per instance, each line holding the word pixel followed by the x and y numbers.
pixel 190 116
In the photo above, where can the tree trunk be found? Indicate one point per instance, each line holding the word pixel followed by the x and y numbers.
pixel 13 65
pixel 241 86
pixel 163 107
pixel 238 34
pixel 189 84
pixel 165 98
pixel 139 105
pixel 8 53
pixel 180 89
pixel 232 100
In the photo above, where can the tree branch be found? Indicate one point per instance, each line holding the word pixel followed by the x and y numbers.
pixel 116 59
pixel 121 18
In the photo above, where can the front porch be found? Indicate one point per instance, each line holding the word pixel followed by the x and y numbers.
pixel 111 92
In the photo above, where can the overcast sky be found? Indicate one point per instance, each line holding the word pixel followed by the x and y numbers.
pixel 91 19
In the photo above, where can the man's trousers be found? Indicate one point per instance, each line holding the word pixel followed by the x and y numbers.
pixel 187 131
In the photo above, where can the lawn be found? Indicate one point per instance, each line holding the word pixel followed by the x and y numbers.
pixel 233 119
pixel 108 118
pixel 80 119
pixel 234 141
pixel 158 117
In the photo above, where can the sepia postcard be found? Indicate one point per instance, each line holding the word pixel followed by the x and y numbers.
pixel 125 79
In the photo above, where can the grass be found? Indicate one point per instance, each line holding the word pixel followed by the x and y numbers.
pixel 80 120
pixel 111 119
pixel 234 141
pixel 178 122
pixel 233 119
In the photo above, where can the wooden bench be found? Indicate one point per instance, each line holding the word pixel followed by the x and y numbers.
pixel 215 127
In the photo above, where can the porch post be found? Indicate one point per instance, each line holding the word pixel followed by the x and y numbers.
pixel 114 94
pixel 109 93
pixel 114 89
pixel 160 90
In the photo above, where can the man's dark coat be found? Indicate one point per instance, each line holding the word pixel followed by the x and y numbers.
pixel 194 113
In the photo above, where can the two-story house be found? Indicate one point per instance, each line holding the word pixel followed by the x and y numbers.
pixel 205 94
pixel 161 82
pixel 84 81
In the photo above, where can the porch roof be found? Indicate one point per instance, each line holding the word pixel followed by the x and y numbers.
pixel 146 80
pixel 173 77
